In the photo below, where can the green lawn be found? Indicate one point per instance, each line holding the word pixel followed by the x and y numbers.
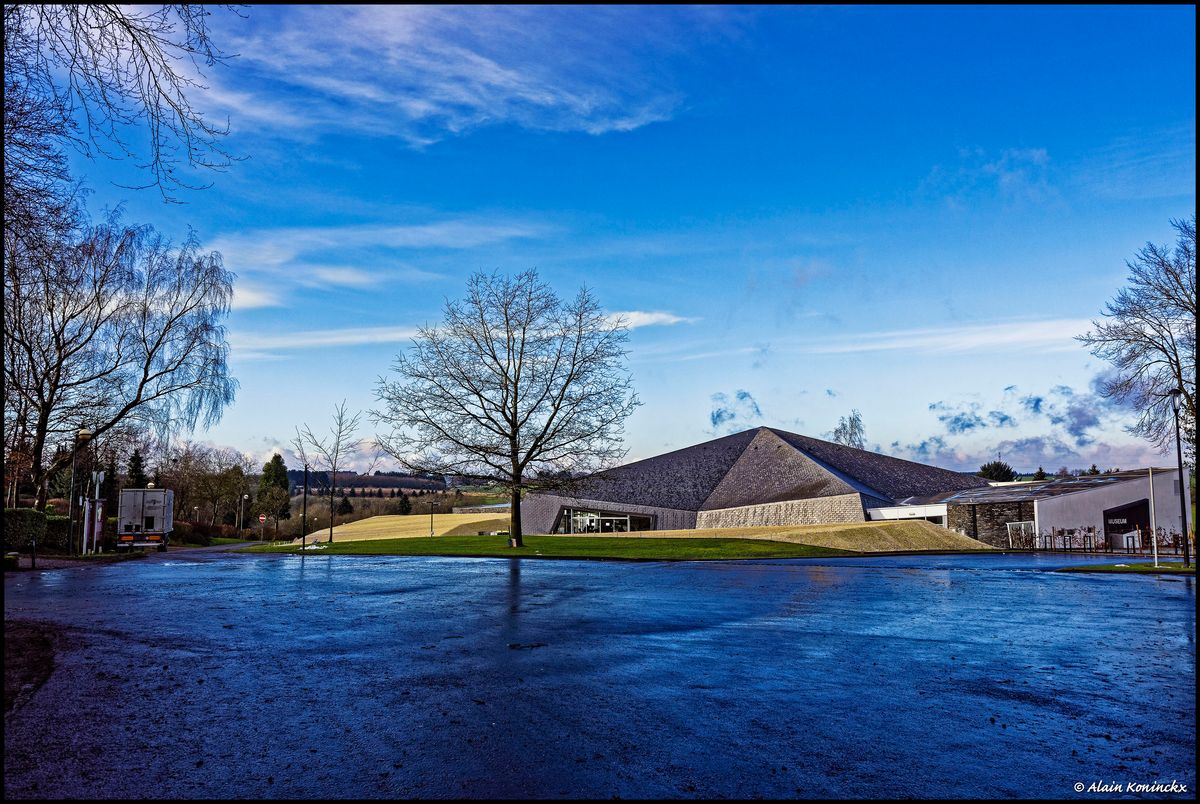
pixel 568 547
pixel 223 540
pixel 1140 567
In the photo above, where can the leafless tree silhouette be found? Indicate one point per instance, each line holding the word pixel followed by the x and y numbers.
pixel 1149 337
pixel 514 383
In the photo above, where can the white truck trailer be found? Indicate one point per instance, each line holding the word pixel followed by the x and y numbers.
pixel 145 518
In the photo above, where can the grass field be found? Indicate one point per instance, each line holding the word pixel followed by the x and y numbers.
pixel 1145 568
pixel 567 547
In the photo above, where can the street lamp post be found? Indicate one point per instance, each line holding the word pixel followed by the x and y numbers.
pixel 1183 484
pixel 242 519
pixel 432 507
pixel 81 438
pixel 304 516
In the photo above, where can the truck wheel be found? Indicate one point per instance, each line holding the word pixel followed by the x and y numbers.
pixel 162 548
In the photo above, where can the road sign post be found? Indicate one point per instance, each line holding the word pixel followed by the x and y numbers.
pixel 262 523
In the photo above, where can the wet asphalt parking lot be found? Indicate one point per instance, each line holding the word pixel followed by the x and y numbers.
pixel 217 675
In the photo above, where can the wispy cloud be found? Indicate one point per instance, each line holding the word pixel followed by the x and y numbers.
pixel 348 336
pixel 423 73
pixel 1048 335
pixel 1012 176
pixel 1159 163
pixel 1044 335
pixel 287 257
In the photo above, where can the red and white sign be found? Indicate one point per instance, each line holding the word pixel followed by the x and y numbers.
pixel 262 517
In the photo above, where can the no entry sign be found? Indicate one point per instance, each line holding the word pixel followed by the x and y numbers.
pixel 262 517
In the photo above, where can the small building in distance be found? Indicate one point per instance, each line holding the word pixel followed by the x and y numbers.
pixel 1089 512
pixel 756 477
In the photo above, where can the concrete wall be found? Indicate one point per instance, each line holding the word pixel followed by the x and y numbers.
pixel 840 508
pixel 1085 509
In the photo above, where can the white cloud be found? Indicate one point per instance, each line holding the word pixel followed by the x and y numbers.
pixel 247 297
pixel 640 318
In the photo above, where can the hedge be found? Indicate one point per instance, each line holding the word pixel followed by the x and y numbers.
pixel 56 532
pixel 22 526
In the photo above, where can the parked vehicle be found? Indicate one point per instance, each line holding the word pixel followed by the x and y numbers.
pixel 145 518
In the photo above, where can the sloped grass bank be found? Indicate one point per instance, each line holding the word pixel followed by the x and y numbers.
pixel 861 537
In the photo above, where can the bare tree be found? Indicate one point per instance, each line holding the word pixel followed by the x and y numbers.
pixel 850 431
pixel 111 327
pixel 1149 337
pixel 334 450
pixel 515 383
pixel 99 76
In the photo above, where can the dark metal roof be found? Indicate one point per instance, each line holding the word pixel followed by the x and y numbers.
pixel 1033 490
pixel 765 465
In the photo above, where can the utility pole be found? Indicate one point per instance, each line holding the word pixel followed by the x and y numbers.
pixel 304 516
pixel 1153 520
pixel 1184 492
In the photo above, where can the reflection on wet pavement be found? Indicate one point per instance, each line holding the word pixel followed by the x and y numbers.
pixel 943 676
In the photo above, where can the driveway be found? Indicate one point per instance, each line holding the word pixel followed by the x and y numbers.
pixel 214 675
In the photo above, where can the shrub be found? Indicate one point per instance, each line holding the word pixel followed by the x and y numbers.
pixel 57 530
pixel 190 533
pixel 22 526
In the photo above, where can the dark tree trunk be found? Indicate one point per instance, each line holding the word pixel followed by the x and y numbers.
pixel 514 515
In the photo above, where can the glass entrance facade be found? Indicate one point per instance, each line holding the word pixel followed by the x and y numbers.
pixel 577 520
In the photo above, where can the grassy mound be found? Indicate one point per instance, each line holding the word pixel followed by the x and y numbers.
pixel 862 537
pixel 455 534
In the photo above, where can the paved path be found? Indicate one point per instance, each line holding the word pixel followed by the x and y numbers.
pixel 208 674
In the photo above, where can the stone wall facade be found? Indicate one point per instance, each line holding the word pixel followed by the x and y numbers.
pixel 815 511
pixel 539 512
pixel 988 522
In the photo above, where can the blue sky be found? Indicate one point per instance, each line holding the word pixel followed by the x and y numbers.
pixel 808 210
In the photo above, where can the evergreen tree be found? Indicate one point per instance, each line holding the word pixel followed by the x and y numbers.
pixel 1092 471
pixel 275 476
pixel 405 504
pixel 997 470
pixel 344 507
pixel 1040 474
pixel 353 492
pixel 136 478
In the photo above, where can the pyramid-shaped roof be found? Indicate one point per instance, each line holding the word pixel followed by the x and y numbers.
pixel 766 465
